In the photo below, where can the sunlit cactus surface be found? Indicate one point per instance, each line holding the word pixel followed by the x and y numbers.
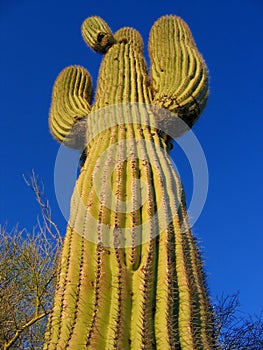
pixel 130 275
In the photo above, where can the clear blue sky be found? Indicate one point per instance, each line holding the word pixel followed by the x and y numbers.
pixel 40 38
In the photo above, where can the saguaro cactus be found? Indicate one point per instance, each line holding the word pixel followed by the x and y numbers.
pixel 130 275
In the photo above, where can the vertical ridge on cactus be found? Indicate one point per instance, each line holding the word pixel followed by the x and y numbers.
pixel 130 275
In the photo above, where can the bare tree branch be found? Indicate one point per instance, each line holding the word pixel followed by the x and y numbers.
pixel 44 205
pixel 28 324
pixel 233 329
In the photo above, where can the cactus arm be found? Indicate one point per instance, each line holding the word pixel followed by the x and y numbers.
pixel 71 99
pixel 178 71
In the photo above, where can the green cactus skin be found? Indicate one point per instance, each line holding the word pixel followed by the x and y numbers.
pixel 150 295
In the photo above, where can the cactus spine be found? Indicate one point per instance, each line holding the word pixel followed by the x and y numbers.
pixel 130 277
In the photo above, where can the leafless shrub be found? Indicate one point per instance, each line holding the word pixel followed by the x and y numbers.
pixel 28 264
pixel 234 330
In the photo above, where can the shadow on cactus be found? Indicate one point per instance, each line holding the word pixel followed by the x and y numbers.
pixel 130 275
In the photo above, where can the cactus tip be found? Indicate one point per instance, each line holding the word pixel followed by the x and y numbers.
pixel 97 34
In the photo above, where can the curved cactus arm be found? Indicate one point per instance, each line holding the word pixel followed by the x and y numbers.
pixel 97 34
pixel 178 71
pixel 71 99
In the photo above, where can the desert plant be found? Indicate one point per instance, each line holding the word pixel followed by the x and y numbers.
pixel 130 274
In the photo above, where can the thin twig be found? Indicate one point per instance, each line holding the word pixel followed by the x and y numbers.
pixel 21 329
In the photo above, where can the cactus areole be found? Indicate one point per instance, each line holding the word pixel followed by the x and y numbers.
pixel 130 275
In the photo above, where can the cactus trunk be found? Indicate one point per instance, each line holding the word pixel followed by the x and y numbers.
pixel 130 275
